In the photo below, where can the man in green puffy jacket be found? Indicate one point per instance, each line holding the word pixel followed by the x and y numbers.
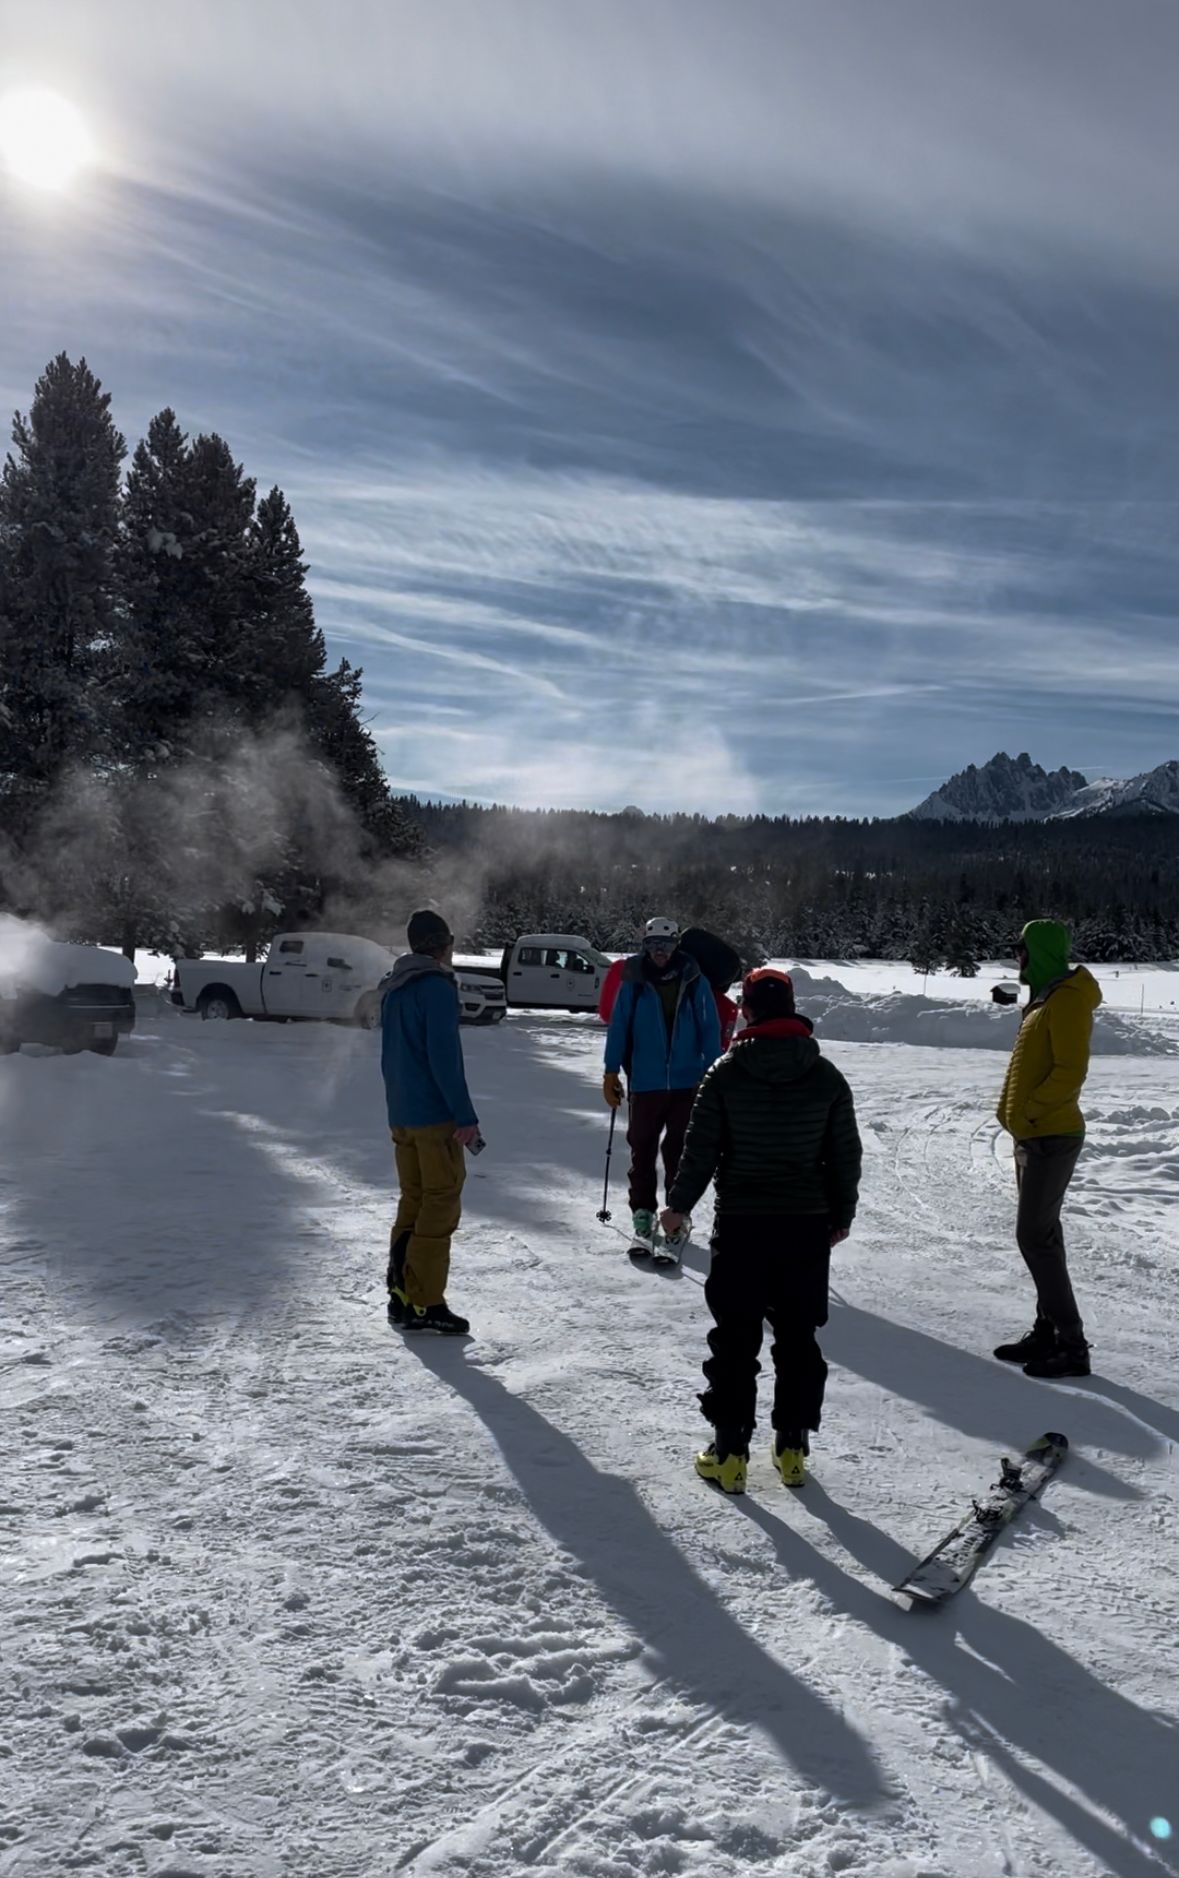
pixel 775 1125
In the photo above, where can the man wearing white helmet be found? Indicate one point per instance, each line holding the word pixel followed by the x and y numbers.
pixel 664 1033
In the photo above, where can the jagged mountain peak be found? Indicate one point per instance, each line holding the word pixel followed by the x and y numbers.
pixel 1016 789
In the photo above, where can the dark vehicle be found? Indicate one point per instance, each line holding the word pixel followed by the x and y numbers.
pixel 70 997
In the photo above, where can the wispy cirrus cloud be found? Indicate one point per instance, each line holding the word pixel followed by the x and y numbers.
pixel 674 399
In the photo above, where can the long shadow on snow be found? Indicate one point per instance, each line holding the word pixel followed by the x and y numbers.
pixel 984 1398
pixel 647 1581
pixel 1010 1691
pixel 1159 1416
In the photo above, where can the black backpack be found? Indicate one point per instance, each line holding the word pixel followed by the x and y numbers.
pixel 719 963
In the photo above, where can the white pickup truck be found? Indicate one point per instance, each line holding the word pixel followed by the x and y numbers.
pixel 556 970
pixel 330 977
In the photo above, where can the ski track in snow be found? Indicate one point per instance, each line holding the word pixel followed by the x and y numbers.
pixel 284 1593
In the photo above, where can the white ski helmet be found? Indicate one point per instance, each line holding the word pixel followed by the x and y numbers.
pixel 665 929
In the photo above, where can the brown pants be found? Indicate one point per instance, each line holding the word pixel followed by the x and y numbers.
pixel 656 1113
pixel 1043 1169
pixel 431 1170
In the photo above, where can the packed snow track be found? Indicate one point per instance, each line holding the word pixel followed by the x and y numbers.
pixel 282 1592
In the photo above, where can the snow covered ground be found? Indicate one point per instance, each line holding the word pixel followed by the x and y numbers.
pixel 1125 988
pixel 283 1593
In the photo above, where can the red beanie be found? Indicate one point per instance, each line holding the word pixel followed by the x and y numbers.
pixel 768 993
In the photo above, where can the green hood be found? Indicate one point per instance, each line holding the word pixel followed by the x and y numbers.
pixel 1049 947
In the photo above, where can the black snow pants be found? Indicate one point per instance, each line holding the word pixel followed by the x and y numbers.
pixel 766 1269
pixel 1043 1170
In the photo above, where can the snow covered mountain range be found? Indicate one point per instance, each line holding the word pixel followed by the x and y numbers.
pixel 1018 790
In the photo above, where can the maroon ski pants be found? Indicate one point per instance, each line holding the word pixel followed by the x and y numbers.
pixel 655 1115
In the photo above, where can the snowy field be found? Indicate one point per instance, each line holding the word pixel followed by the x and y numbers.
pixel 282 1593
pixel 1124 988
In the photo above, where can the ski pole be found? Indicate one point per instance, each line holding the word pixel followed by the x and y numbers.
pixel 604 1214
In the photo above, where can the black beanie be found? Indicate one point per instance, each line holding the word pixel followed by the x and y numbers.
pixel 428 932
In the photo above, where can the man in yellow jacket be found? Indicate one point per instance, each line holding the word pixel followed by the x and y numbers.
pixel 1040 1108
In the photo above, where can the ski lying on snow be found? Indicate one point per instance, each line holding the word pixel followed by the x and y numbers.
pixel 954 1561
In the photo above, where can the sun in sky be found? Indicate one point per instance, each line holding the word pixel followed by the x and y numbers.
pixel 44 140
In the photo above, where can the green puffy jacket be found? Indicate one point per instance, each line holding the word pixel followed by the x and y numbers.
pixel 774 1123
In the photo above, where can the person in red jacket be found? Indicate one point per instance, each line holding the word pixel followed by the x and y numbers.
pixel 726 1010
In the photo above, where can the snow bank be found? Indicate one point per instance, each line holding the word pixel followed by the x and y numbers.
pixel 31 961
pixel 1138 989
pixel 842 1016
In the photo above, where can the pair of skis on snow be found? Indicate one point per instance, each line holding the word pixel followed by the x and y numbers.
pixel 953 1562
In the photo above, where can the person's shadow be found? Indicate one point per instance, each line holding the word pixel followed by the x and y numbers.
pixel 991 1400
pixel 1156 1418
pixel 1010 1692
pixel 644 1577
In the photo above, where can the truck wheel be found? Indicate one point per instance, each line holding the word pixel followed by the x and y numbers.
pixel 368 1013
pixel 218 1005
pixel 103 1046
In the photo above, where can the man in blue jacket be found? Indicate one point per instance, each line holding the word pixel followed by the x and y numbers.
pixel 432 1121
pixel 665 1033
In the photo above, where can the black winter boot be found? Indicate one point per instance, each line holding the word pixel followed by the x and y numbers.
pixel 1069 1358
pixel 1037 1342
pixel 436 1317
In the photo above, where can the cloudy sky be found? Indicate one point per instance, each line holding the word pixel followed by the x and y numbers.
pixel 695 403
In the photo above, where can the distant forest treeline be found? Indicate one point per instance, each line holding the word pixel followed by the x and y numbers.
pixel 921 891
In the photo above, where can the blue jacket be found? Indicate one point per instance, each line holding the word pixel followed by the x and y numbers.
pixel 656 1062
pixel 421 1052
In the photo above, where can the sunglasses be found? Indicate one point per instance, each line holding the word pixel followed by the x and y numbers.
pixel 660 945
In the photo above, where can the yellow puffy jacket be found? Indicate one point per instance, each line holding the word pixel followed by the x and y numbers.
pixel 1051 1060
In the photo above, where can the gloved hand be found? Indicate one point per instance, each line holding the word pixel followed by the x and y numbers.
pixel 612 1089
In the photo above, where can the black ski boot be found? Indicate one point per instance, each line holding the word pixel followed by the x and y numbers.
pixel 436 1317
pixel 1039 1341
pixel 1070 1357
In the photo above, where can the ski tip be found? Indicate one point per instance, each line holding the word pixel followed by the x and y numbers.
pixel 921 1599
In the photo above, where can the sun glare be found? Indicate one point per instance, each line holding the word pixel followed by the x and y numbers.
pixel 43 138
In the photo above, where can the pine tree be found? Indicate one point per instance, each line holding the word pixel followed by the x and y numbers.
pixel 184 650
pixel 925 957
pixel 158 654
pixel 285 640
pixel 59 496
pixel 340 735
pixel 231 687
pixel 961 950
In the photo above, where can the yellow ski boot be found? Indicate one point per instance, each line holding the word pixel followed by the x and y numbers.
pixel 727 1471
pixel 789 1454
